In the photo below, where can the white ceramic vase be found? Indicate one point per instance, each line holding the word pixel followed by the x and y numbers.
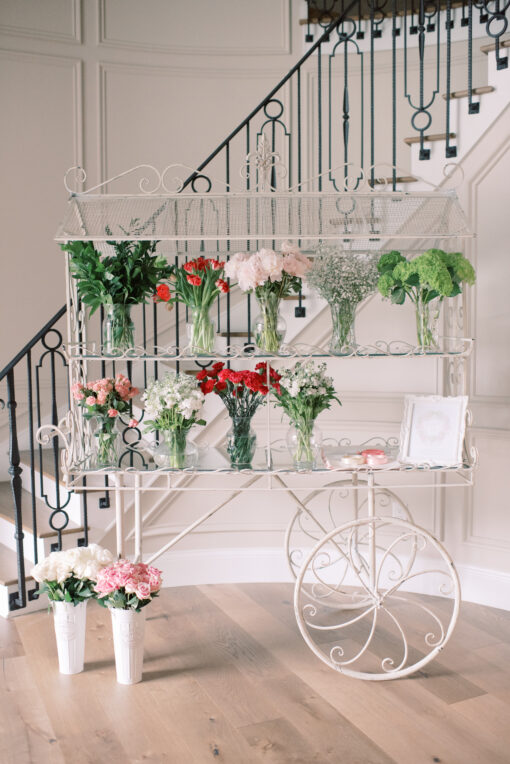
pixel 70 623
pixel 128 633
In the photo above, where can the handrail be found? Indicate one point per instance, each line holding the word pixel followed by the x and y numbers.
pixel 40 334
pixel 323 38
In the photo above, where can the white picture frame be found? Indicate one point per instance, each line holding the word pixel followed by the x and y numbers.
pixel 433 429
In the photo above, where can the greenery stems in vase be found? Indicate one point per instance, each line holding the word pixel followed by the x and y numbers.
pixel 241 392
pixel 118 281
pixel 429 277
pixel 172 407
pixel 105 400
pixel 344 279
pixel 270 276
pixel 305 391
pixel 196 283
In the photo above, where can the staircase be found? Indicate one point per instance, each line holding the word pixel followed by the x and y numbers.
pixel 44 515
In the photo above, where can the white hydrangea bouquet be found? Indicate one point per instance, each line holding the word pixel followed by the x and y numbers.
pixel 344 279
pixel 70 575
pixel 305 391
pixel 270 276
pixel 172 407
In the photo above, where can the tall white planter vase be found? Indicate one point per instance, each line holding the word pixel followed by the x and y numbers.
pixel 70 623
pixel 128 634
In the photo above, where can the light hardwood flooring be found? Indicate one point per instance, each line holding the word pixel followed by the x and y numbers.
pixel 228 678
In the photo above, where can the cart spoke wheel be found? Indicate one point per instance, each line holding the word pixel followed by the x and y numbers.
pixel 377 598
pixel 319 514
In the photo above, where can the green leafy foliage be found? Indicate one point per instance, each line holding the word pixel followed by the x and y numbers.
pixel 128 277
pixel 433 274
pixel 73 590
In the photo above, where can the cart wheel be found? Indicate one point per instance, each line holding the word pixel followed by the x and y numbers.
pixel 311 521
pixel 377 598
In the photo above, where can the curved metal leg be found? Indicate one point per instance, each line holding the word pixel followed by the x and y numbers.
pixel 384 562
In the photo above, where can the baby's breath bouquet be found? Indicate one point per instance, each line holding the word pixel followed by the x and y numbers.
pixel 344 279
pixel 303 393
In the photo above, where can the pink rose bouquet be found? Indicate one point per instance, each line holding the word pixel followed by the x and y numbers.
pixel 270 276
pixel 127 585
pixel 104 400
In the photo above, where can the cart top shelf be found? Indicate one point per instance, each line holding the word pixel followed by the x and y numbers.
pixel 355 220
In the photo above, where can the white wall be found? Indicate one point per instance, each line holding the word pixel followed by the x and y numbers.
pixel 114 83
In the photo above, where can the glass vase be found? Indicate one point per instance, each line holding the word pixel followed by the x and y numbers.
pixel 241 442
pixel 118 329
pixel 343 315
pixel 201 331
pixel 427 322
pixel 269 327
pixel 304 441
pixel 175 451
pixel 106 442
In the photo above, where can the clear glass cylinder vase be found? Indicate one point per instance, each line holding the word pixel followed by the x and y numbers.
pixel 118 329
pixel 304 441
pixel 175 451
pixel 427 322
pixel 269 327
pixel 200 330
pixel 343 316
pixel 105 433
pixel 241 442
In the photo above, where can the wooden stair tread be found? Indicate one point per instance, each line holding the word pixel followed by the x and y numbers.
pixel 41 510
pixel 398 179
pixel 465 93
pixel 433 137
pixel 491 47
pixel 9 567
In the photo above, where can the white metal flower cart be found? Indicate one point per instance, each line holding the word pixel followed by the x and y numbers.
pixel 376 596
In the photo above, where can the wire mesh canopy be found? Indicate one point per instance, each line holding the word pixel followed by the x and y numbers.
pixel 264 218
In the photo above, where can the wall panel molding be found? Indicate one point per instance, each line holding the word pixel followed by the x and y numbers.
pixel 73 36
pixel 283 13
pixel 76 65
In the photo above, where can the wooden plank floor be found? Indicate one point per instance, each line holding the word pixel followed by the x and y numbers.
pixel 227 678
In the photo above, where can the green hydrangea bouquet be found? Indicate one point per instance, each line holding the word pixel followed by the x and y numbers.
pixel 426 281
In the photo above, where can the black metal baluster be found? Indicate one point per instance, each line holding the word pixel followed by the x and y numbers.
pixel 155 343
pixel 424 153
pixel 473 108
pixel 85 514
pixel 394 95
pixel 450 151
pixel 372 95
pixel 319 116
pixel 17 599
pixel 32 452
pixel 177 333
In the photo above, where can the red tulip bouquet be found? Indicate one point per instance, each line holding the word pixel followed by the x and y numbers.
pixel 196 283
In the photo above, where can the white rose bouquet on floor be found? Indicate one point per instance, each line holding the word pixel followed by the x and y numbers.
pixel 172 406
pixel 70 575
pixel 270 276
pixel 304 392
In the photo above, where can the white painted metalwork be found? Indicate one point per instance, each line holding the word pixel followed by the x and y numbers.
pixel 353 583
pixel 366 565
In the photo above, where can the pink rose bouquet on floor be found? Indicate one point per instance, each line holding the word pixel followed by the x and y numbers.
pixel 103 400
pixel 270 276
pixel 127 585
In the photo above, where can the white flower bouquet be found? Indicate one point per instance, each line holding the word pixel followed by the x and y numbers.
pixel 344 279
pixel 304 392
pixel 70 575
pixel 270 276
pixel 172 405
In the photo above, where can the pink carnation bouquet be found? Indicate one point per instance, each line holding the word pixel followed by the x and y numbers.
pixel 270 276
pixel 104 400
pixel 127 585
